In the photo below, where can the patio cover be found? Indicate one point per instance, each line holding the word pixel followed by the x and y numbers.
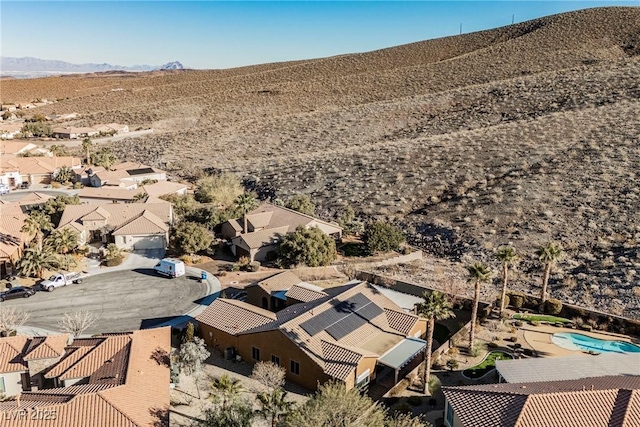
pixel 402 353
pixel 280 295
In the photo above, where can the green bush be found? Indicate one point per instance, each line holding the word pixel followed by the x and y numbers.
pixel 534 323
pixel 493 344
pixel 517 324
pixel 309 247
pixel 301 203
pixel 253 266
pixel 553 306
pixel 379 236
pixel 507 301
pixel 414 400
pixel 516 301
pixel 452 364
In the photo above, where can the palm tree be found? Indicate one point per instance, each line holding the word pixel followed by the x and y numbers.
pixel 228 387
pixel 87 144
pixel 63 241
pixel 35 260
pixel 508 257
pixel 273 405
pixel 436 306
pixel 246 202
pixel 64 174
pixel 548 255
pixel 35 225
pixel 139 197
pixel 479 273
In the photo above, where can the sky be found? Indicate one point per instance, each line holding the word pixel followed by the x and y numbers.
pixel 225 34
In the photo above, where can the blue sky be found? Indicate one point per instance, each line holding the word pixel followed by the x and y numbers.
pixel 213 34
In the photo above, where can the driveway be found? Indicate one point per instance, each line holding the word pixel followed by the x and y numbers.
pixel 135 259
pixel 122 300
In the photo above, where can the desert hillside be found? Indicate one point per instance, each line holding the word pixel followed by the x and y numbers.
pixel 520 134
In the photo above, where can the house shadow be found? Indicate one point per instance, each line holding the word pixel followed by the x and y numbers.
pixel 146 271
pixel 207 300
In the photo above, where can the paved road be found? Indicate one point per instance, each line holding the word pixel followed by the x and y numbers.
pixel 122 300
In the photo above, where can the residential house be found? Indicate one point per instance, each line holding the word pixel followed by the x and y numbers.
pixel 133 226
pixel 116 128
pixel 35 169
pixel 275 292
pixel 572 367
pixel 265 227
pixel 151 193
pixel 9 130
pixel 12 239
pixel 119 379
pixel 74 132
pixel 586 402
pixel 353 335
pixel 126 175
pixel 15 148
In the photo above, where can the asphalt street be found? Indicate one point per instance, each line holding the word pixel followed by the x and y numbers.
pixel 121 301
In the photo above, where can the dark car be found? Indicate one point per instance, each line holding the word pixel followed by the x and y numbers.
pixel 17 292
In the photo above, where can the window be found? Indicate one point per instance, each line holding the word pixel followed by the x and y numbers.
pixel 255 353
pixel 275 360
pixel 2 389
pixel 295 367
pixel 449 415
pixel 362 381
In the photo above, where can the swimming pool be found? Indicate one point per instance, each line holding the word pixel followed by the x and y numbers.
pixel 572 341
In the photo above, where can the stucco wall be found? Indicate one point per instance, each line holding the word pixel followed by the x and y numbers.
pixel 12 383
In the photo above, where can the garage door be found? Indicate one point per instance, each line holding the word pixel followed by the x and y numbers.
pixel 148 242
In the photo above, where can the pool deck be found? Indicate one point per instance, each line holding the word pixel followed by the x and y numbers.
pixel 539 338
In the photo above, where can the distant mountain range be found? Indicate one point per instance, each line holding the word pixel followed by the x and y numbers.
pixel 35 67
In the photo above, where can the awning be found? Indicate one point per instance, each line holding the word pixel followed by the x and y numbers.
pixel 280 295
pixel 402 353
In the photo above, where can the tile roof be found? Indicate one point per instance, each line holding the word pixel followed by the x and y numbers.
pixel 116 214
pixel 282 216
pixel 38 165
pixel 400 320
pixel 14 147
pixel 12 238
pixel 259 220
pixel 162 188
pixel 258 239
pixel 49 347
pixel 303 293
pixel 340 362
pixel 590 402
pixel 144 223
pixel 140 395
pixel 108 193
pixel 11 359
pixel 234 317
pixel 279 282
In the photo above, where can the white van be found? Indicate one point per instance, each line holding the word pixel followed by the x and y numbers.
pixel 170 267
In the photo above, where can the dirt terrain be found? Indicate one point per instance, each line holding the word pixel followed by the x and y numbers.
pixel 520 134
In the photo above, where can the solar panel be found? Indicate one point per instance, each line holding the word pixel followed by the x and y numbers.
pixel 343 318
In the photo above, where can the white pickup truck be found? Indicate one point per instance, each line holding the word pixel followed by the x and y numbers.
pixel 61 279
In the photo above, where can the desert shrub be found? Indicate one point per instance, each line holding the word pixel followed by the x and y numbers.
pixel 190 237
pixel 55 184
pixel 221 190
pixel 253 266
pixel 379 236
pixel 301 203
pixel 513 339
pixel 112 262
pixel 77 185
pixel 235 267
pixel 507 301
pixel 553 306
pixel 477 349
pixel 452 364
pixel 586 327
pixel 517 324
pixel 493 344
pixel 414 400
pixel 516 300
pixel 243 261
pixel 310 247
pixel 534 323
pixel 37 129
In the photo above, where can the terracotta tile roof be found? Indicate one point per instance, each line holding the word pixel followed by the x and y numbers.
pixel 400 320
pixel 108 193
pixel 12 238
pixel 104 352
pixel 340 362
pixel 48 347
pixel 162 188
pixel 301 292
pixel 258 239
pixel 133 402
pixel 14 147
pixel 116 214
pixel 11 349
pixel 39 165
pixel 279 282
pixel 144 223
pixel 72 355
pixel 34 198
pixel 588 402
pixel 234 317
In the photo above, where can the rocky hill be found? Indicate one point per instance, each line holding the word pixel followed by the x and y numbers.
pixel 520 134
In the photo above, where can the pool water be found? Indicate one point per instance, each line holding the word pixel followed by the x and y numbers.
pixel 572 341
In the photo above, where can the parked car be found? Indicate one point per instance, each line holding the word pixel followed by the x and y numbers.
pixel 24 185
pixel 61 279
pixel 170 267
pixel 16 292
pixel 4 189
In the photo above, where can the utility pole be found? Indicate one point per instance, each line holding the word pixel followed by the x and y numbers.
pixel 461 28
pixel 513 18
